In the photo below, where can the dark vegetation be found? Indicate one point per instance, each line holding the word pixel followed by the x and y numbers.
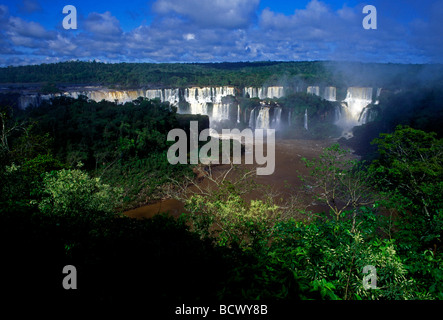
pixel 68 167
pixel 419 108
pixel 238 74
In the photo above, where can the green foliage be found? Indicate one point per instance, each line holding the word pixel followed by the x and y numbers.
pixel 409 169
pixel 73 192
pixel 339 181
pixel 230 221
pixel 99 133
pixel 21 183
pixel 327 257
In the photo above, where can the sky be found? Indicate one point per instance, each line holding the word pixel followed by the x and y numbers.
pixel 408 31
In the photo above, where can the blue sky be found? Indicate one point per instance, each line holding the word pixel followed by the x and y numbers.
pixel 408 31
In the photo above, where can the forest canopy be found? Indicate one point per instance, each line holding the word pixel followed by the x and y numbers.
pixel 238 74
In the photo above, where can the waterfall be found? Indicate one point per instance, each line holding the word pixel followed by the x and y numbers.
pixel 252 119
pixel 273 92
pixel 306 119
pixel 363 116
pixel 238 114
pixel 337 113
pixel 277 118
pixel 330 94
pixel 356 100
pixel 314 90
pixel 262 121
pixel 378 95
pixel 220 111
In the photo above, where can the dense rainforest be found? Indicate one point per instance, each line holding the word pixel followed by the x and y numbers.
pixel 239 74
pixel 69 167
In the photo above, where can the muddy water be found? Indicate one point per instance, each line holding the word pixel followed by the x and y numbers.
pixel 284 182
pixel 171 206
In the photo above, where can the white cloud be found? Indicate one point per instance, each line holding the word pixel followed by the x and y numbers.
pixel 28 29
pixel 102 24
pixel 189 36
pixel 197 30
pixel 213 14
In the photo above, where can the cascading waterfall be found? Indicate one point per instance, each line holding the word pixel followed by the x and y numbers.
pixel 264 92
pixel 377 101
pixel 200 98
pixel 252 119
pixel 314 90
pixel 262 121
pixel 356 100
pixel 220 111
pixel 353 110
pixel 277 118
pixel 337 113
pixel 330 94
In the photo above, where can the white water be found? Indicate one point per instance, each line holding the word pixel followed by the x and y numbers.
pixel 306 119
pixel 252 119
pixel 330 93
pixel 273 92
pixel 200 99
pixel 314 90
pixel 356 100
pixel 276 121
pixel 353 111
pixel 263 119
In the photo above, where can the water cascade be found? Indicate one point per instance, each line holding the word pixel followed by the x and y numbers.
pixel 337 113
pixel 273 92
pixel 330 94
pixel 262 121
pixel 214 102
pixel 314 90
pixel 252 119
pixel 356 100
pixel 306 119
pixel 276 120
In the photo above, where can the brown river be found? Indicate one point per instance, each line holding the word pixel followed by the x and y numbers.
pixel 283 182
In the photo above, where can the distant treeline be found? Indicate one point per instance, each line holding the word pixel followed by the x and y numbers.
pixel 238 74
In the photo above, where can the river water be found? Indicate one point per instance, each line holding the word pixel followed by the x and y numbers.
pixel 283 183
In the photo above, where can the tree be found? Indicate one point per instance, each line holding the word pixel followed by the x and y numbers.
pixel 411 164
pixel 339 181
pixel 73 192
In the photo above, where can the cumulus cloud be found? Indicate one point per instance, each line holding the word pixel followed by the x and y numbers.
pixel 213 14
pixel 102 24
pixel 30 29
pixel 230 30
